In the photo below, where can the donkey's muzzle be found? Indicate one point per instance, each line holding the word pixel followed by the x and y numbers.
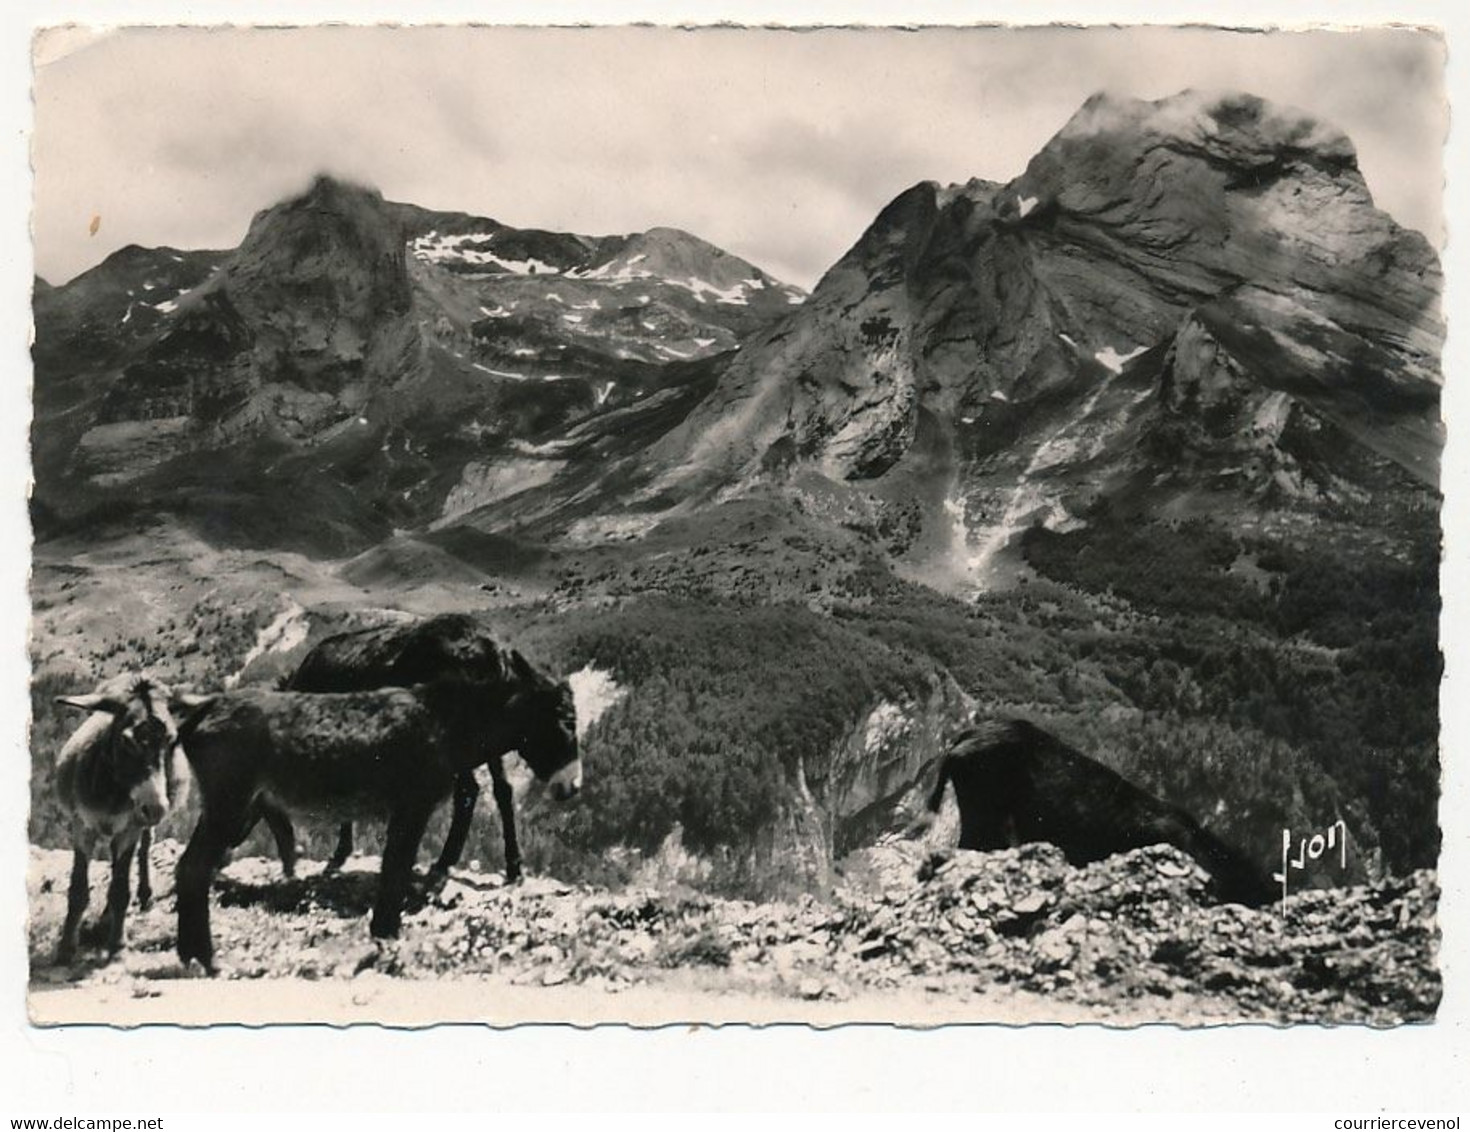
pixel 566 782
pixel 151 811
pixel 150 800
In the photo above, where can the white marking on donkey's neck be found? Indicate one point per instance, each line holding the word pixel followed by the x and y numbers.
pixel 594 691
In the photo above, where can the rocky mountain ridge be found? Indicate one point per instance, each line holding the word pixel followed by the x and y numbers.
pixel 1195 281
pixel 344 323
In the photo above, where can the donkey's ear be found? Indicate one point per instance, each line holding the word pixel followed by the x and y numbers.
pixel 182 699
pixel 96 701
pixel 188 708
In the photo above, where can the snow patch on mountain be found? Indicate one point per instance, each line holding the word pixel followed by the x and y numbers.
pixel 461 249
pixel 168 306
pixel 1116 361
pixel 734 296
pixel 499 372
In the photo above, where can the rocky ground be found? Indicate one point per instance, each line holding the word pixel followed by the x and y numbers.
pixel 1013 936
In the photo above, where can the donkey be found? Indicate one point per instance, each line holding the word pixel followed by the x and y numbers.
pixel 1016 783
pixel 117 775
pixel 449 646
pixel 394 751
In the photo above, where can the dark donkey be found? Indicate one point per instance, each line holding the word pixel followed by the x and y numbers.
pixel 451 645
pixel 394 751
pixel 117 775
pixel 1016 783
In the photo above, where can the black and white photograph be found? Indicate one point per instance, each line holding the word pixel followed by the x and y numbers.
pixel 655 524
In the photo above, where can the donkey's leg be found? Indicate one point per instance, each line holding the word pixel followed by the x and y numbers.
pixel 120 891
pixel 145 880
pixel 203 855
pixel 505 802
pixel 280 827
pixel 400 848
pixel 76 904
pixel 466 793
pixel 343 850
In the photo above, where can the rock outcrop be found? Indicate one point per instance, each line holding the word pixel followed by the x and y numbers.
pixel 869 785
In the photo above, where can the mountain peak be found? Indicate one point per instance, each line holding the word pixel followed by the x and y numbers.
pixel 676 254
pixel 325 186
pixel 325 193
pixel 960 304
pixel 1226 126
pixel 355 206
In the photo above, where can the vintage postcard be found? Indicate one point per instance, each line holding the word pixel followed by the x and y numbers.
pixel 735 524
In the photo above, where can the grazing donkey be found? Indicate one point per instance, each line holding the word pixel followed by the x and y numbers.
pixel 394 751
pixel 449 646
pixel 1016 783
pixel 117 775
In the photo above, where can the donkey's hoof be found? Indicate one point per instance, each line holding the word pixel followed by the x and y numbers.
pixel 145 901
pixel 385 928
pixel 191 955
pixel 381 957
pixel 65 953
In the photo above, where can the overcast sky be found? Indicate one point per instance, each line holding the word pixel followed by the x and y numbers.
pixel 780 146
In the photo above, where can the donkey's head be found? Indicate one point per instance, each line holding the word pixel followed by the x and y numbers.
pixel 545 727
pixel 138 757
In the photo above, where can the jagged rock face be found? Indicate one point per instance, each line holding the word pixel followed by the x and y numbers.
pixel 871 782
pixel 1197 193
pixel 1246 370
pixel 286 337
pixel 1235 237
pixel 321 281
pixel 836 384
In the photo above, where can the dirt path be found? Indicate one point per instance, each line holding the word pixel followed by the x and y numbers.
pixel 680 998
